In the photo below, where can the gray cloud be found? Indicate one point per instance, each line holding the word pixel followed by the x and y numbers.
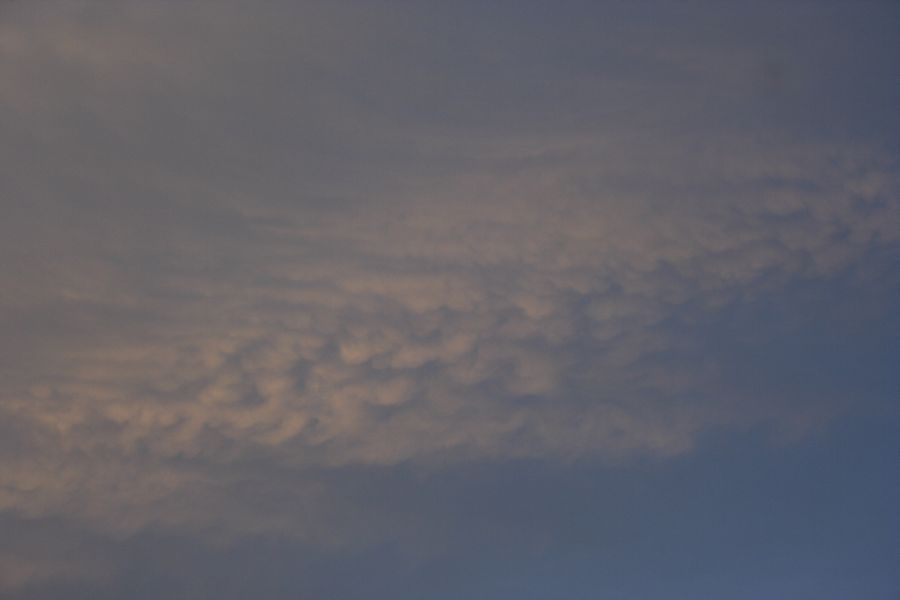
pixel 313 238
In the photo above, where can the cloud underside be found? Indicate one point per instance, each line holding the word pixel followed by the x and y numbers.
pixel 216 283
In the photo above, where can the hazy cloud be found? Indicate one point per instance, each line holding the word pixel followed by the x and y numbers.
pixel 247 247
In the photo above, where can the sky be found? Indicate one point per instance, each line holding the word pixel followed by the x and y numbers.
pixel 449 300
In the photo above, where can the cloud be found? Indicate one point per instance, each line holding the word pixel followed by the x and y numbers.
pixel 35 555
pixel 222 272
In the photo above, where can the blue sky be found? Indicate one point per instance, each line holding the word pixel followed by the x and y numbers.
pixel 419 300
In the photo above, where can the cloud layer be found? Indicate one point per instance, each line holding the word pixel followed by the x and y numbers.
pixel 241 258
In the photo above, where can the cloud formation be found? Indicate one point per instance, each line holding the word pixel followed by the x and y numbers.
pixel 258 253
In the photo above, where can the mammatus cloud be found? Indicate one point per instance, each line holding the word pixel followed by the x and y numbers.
pixel 191 311
pixel 501 318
